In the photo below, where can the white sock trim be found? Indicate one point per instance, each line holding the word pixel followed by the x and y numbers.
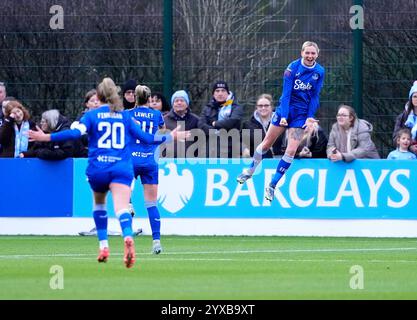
pixel 122 211
pixel 287 158
pixel 104 244
pixel 99 207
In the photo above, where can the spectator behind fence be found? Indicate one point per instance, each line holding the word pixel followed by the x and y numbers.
pixel 91 102
pixel 129 94
pixel 403 143
pixel 220 120
pixel 158 102
pixel 408 118
pixel 254 129
pixel 3 105
pixel 14 130
pixel 313 143
pixel 181 115
pixel 52 121
pixel 350 137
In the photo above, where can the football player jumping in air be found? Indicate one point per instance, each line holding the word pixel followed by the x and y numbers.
pixel 303 80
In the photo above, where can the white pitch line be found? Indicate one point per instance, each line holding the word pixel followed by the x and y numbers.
pixel 295 251
pixel 164 259
pixel 69 255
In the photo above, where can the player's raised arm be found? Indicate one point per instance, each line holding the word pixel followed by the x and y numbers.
pixel 71 134
pixel 288 80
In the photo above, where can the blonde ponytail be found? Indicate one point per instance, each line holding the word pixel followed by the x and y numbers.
pixel 107 92
pixel 142 93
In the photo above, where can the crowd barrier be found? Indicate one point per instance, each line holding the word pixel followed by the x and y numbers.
pixel 315 192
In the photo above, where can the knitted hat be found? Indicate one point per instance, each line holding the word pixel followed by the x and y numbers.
pixel 220 84
pixel 180 94
pixel 129 85
pixel 413 89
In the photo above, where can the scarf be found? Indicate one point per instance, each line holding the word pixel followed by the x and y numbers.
pixel 225 110
pixel 21 138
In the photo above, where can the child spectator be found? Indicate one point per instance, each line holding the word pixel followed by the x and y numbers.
pixel 403 143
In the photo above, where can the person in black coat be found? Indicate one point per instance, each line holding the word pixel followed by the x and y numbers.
pixel 313 143
pixel 220 120
pixel 128 93
pixel 254 129
pixel 52 121
pixel 181 115
pixel 158 102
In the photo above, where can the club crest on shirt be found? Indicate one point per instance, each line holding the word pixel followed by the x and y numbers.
pixel 315 76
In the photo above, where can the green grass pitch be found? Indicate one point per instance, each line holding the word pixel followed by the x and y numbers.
pixel 206 268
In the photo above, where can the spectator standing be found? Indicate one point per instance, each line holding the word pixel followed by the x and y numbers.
pixel 182 117
pixel 91 102
pixel 408 118
pixel 158 102
pixel 350 137
pixel 129 94
pixel 14 130
pixel 220 120
pixel 52 122
pixel 257 127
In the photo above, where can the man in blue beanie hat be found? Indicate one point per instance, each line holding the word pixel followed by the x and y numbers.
pixel 180 115
pixel 180 94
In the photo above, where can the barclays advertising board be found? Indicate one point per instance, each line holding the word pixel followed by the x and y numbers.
pixel 311 189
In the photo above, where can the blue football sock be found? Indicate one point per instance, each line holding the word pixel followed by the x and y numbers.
pixel 257 158
pixel 283 166
pixel 154 219
pixel 125 219
pixel 100 219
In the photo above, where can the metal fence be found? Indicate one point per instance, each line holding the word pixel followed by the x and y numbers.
pixel 247 43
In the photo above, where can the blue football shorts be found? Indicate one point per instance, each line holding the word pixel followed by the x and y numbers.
pixel 100 180
pixel 296 118
pixel 148 174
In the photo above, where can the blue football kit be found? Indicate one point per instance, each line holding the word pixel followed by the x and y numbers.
pixel 300 94
pixel 145 155
pixel 110 136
